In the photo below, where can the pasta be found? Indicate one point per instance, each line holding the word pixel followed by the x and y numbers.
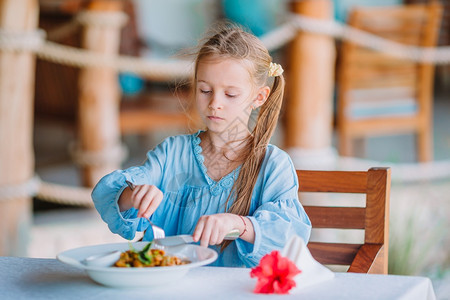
pixel 147 258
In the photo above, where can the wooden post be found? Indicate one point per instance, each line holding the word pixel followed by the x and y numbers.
pixel 310 83
pixel 17 71
pixel 98 124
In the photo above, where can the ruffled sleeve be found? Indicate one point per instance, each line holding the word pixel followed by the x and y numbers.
pixel 108 190
pixel 278 213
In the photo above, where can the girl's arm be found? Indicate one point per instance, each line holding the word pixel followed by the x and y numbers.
pixel 248 233
pixel 113 199
pixel 145 198
pixel 124 201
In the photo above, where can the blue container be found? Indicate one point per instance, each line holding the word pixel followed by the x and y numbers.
pixel 130 83
pixel 257 15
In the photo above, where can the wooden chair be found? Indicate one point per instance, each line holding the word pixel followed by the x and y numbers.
pixel 370 257
pixel 380 94
pixel 158 109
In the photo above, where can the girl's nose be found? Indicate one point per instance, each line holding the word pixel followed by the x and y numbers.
pixel 215 103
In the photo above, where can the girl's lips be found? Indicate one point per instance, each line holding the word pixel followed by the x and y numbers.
pixel 214 118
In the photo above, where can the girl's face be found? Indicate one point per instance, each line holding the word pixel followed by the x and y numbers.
pixel 225 94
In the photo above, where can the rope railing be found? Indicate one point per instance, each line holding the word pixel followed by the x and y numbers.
pixel 51 192
pixel 64 194
pixel 92 158
pixel 279 36
pixel 172 69
pixel 164 70
pixel 432 55
pixel 26 188
pixel 169 70
pixel 21 41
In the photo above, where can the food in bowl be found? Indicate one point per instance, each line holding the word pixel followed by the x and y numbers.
pixel 147 257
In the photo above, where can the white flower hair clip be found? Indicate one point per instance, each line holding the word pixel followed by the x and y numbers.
pixel 275 70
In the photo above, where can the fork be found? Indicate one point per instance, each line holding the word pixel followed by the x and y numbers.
pixel 158 232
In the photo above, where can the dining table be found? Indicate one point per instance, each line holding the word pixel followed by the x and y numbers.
pixel 44 278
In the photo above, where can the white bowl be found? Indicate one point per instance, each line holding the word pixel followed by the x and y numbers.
pixel 103 259
pixel 137 277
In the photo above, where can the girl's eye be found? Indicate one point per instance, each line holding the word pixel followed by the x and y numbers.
pixel 205 91
pixel 231 96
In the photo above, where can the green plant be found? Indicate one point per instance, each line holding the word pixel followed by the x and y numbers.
pixel 415 243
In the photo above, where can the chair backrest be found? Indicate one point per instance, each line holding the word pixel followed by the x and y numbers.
pixel 379 93
pixel 370 257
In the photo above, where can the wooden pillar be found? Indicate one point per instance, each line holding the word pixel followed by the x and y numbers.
pixel 98 124
pixel 17 71
pixel 310 84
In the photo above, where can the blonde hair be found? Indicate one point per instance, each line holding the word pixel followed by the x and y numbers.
pixel 231 41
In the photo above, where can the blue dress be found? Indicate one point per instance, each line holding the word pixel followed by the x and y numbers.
pixel 176 167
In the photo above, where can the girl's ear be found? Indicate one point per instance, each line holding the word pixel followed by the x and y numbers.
pixel 261 97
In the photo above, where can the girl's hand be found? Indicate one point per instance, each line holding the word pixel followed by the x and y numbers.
pixel 145 198
pixel 212 229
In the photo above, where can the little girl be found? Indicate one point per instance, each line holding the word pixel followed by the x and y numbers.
pixel 222 178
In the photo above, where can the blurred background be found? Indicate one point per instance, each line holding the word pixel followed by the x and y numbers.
pixel 347 107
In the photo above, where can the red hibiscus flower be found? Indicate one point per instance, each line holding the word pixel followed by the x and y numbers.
pixel 275 274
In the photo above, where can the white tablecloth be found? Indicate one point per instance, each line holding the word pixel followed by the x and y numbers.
pixel 33 278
